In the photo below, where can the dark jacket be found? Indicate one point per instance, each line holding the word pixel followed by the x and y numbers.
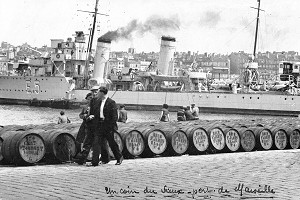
pixel 188 115
pixel 110 112
pixel 83 127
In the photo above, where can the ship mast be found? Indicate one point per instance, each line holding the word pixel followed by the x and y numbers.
pixel 256 30
pixel 90 42
pixel 251 76
pixel 93 28
pixel 90 45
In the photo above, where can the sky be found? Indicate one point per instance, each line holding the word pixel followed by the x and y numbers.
pixel 213 26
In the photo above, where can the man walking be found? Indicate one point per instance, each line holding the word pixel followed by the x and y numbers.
pixel 90 129
pixel 104 114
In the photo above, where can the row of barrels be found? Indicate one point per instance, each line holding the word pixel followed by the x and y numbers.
pixel 23 145
pixel 202 137
pixel 30 144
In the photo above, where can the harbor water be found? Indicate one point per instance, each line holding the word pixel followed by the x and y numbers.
pixel 23 115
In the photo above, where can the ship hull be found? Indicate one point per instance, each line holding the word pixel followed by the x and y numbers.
pixel 267 104
pixel 33 87
pixel 257 104
pixel 52 92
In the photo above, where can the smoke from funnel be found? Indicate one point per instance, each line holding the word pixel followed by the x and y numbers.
pixel 152 24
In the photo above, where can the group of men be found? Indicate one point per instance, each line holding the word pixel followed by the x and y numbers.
pixel 100 118
pixel 188 113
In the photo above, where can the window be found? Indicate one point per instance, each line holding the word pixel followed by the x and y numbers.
pixel 296 67
pixel 281 66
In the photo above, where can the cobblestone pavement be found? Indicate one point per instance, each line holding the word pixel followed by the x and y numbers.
pixel 251 175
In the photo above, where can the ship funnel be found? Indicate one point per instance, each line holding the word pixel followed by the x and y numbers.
pixel 100 63
pixel 165 63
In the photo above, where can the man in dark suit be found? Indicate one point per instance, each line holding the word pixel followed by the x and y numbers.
pixel 104 116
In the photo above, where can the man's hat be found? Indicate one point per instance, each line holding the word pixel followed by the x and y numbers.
pixel 94 88
pixel 103 89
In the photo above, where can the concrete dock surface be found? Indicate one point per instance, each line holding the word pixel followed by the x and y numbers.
pixel 245 175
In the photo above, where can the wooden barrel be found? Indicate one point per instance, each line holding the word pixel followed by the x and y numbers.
pixel 280 137
pixel 177 141
pixel 133 141
pixel 46 126
pixel 74 132
pixel 247 136
pixel 4 135
pixel 155 140
pixel 232 139
pixel 216 138
pixel 293 134
pixel 23 148
pixel 60 145
pixel 198 139
pixel 120 143
pixel 264 136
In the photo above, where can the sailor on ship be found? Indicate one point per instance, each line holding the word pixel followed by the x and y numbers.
pixel 71 88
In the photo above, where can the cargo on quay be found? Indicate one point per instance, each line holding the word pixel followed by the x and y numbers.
pixel 62 78
pixel 55 143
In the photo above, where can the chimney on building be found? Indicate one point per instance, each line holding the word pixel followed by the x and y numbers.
pixel 165 63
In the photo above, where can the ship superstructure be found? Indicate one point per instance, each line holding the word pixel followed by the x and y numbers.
pixel 62 78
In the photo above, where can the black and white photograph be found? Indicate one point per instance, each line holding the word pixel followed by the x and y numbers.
pixel 158 99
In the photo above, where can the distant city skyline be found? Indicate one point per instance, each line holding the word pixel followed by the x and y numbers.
pixel 214 26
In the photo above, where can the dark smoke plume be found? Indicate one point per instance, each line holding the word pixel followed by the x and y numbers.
pixel 152 24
